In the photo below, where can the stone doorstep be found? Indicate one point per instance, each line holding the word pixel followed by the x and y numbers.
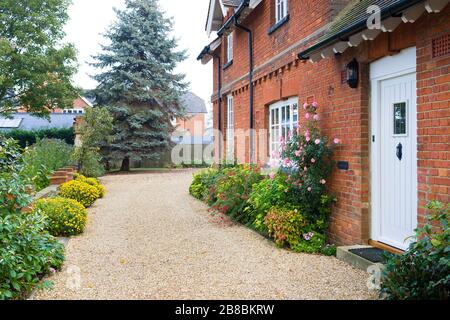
pixel 354 260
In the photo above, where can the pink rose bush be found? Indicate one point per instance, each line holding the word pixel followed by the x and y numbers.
pixel 310 162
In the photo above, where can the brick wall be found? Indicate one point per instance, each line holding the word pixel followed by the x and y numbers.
pixel 194 124
pixel 344 112
pixel 433 106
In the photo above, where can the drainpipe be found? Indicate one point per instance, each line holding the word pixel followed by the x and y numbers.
pixel 250 53
pixel 219 99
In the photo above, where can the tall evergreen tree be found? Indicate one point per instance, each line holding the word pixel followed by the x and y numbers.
pixel 138 83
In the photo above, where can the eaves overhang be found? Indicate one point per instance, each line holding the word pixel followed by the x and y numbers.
pixel 403 11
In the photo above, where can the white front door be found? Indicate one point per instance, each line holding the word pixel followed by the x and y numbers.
pixel 394 152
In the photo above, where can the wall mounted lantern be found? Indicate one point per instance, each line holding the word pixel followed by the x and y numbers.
pixel 353 74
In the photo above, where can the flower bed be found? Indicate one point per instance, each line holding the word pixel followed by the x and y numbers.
pixel 291 202
pixel 28 249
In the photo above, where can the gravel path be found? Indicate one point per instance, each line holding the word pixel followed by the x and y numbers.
pixel 148 239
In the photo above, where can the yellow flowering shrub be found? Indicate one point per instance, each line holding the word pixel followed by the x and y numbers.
pixel 64 217
pixel 82 192
pixel 93 182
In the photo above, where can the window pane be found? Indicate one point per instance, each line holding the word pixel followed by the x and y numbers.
pixel 400 118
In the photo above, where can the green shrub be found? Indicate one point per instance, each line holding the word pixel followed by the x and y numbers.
pixel 423 271
pixel 13 184
pixel 93 182
pixel 232 189
pixel 43 158
pixel 95 134
pixel 90 162
pixel 202 182
pixel 264 195
pixel 287 226
pixel 27 253
pixel 82 192
pixel 65 217
pixel 28 138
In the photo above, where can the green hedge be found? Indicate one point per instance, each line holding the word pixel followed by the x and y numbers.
pixel 28 138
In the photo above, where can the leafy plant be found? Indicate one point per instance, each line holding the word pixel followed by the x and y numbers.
pixel 202 183
pixel 27 252
pixel 95 132
pixel 264 195
pixel 82 192
pixel 64 217
pixel 44 157
pixel 285 226
pixel 13 184
pixel 423 271
pixel 232 190
pixel 289 227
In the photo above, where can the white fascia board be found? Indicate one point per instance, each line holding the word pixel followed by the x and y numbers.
pixel 214 19
pixel 254 3
pixel 215 44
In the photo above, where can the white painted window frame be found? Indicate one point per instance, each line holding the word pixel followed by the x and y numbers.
pixel 281 10
pixel 73 111
pixel 230 47
pixel 230 128
pixel 280 124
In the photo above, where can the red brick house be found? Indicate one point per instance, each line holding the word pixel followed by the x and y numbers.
pixel 194 120
pixel 379 71
pixel 79 104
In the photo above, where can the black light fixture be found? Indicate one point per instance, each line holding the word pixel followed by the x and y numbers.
pixel 353 74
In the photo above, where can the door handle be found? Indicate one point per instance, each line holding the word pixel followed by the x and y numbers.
pixel 400 151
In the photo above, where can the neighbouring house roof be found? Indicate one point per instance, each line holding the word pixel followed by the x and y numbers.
pixel 350 27
pixel 193 103
pixel 87 101
pixel 26 121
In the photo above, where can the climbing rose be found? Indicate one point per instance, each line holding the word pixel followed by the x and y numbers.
pixel 272 175
pixel 309 189
pixel 337 141
pixel 308 138
pixel 323 181
pixel 316 117
pixel 315 104
pixel 298 153
pixel 307 115
pixel 290 135
pixel 313 160
pixel 317 141
pixel 305 105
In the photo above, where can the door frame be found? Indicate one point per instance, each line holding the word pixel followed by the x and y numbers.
pixel 385 68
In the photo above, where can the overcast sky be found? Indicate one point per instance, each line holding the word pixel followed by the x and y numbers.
pixel 89 19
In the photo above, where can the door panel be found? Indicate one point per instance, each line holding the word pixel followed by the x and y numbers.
pixel 398 160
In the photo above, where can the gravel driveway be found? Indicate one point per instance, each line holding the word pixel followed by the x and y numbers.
pixel 148 239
